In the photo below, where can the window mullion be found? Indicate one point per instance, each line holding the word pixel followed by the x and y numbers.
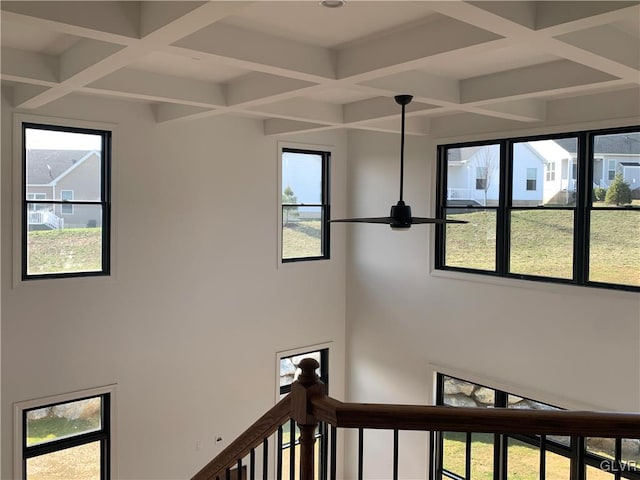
pixel 504 201
pixel 583 201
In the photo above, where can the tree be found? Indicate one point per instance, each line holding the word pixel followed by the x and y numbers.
pixel 289 198
pixel 618 192
pixel 487 168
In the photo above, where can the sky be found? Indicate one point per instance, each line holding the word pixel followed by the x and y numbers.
pixel 37 139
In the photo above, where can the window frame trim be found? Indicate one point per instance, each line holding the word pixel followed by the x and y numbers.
pixel 19 458
pixel 18 197
pixel 327 153
pixel 582 209
pixel 437 396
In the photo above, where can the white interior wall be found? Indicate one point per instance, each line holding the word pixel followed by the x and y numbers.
pixel 189 324
pixel 573 345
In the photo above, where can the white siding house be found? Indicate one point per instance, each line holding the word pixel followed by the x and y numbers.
pixel 543 172
pixel 63 175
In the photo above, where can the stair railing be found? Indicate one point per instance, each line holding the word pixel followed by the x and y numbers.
pixel 308 405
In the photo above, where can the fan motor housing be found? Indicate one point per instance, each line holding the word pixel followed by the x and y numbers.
pixel 400 215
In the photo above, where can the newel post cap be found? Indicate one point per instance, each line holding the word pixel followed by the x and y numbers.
pixel 306 386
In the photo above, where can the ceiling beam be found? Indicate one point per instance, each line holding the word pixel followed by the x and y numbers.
pixel 163 88
pixel 405 50
pixel 81 66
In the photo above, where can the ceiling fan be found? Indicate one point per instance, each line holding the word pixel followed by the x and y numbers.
pixel 400 216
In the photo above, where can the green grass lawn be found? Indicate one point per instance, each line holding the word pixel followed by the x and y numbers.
pixel 62 251
pixel 523 461
pixel 302 239
pixel 542 244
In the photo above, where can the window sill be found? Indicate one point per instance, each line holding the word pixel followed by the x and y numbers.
pixel 558 288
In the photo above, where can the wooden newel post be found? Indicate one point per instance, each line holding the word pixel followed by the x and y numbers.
pixel 308 385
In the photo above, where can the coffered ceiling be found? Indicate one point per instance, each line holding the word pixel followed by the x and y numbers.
pixel 302 67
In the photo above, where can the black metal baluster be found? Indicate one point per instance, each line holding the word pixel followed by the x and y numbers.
pixel 360 452
pixel 279 454
pixel 292 449
pixel 265 459
pixel 395 453
pixel 334 451
pixel 239 468
pixel 543 457
pixel 467 462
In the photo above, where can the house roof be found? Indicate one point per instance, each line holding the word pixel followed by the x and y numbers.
pixel 548 150
pixel 45 166
pixel 471 66
pixel 625 144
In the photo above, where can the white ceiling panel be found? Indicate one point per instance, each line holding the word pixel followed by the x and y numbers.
pixel 196 67
pixel 24 36
pixel 303 67
pixel 499 59
pixel 309 22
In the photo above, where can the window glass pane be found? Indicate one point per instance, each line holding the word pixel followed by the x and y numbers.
pixel 631 452
pixel 58 161
pixel 63 245
pixel 301 232
pixel 301 177
pixel 459 393
pixel 63 420
pixel 286 459
pixel 602 447
pixel 557 466
pixel 597 474
pixel 523 460
pixel 75 463
pixel 473 175
pixel 614 248
pixel 482 456
pixel 616 169
pixel 542 243
pixel 547 165
pixel 471 245
pixel 454 452
pixel 289 370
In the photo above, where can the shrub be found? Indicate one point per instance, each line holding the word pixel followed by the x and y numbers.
pixel 618 192
pixel 599 194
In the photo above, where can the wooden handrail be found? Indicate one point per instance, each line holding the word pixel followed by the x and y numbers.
pixel 485 420
pixel 308 404
pixel 251 438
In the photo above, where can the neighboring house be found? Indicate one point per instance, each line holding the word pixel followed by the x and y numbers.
pixel 63 175
pixel 544 172
pixel 613 154
pixel 472 175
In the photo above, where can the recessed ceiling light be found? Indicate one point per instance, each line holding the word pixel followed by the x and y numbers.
pixel 332 3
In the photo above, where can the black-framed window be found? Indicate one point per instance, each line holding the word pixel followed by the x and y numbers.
pixel 289 371
pixel 68 440
pixel 574 224
pixel 304 204
pixel 473 455
pixel 65 201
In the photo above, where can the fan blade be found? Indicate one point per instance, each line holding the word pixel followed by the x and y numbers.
pixel 386 220
pixel 417 220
